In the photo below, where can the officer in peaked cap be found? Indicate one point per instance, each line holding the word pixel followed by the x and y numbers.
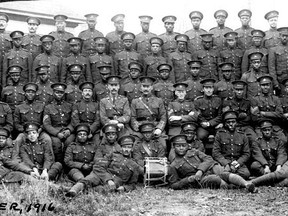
pixel 271 14
pixel 118 18
pixel 156 40
pixel 86 85
pixel 272 38
pixel 31 41
pixel 33 20
pixel 126 140
pixel 146 80
pixel 209 82
pixel 113 79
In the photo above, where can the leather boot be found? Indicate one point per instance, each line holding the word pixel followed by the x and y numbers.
pixel 77 188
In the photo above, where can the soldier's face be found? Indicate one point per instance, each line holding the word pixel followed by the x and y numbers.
pixel 82 136
pixel 126 150
pixel 75 48
pixel 181 148
pixel 3 24
pixel 169 26
pixel 265 88
pixel 32 135
pixel 111 137
pixel 273 22
pixel 227 74
pixel 220 20
pixel 15 77
pixel 91 23
pixel 100 48
pixel 134 73
pixel 60 25
pixel 164 74
pixel 44 77
pixel 283 38
pixel 128 44
pixel 147 135
pixel 155 48
pixel 230 124
pixel 32 28
pixel 196 23
pixel 208 90
pixel 47 46
pixel 58 95
pixel 87 93
pixel 245 20
pixel 17 42
pixel 256 64
pixel 231 42
pixel 75 75
pixel 257 41
pixel 3 140
pixel 113 88
pixel 239 93
pixel 145 26
pixel 146 89
pixel 267 132
pixel 119 26
pixel 190 135
pixel 194 71
pixel 181 46
pixel 180 94
pixel 207 44
pixel 30 95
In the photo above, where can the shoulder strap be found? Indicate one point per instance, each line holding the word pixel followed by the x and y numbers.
pixel 146 106
pixel 147 149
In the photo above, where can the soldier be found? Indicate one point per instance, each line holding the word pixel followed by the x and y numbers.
pixel 123 58
pixel 47 58
pixel 231 147
pixel 45 92
pixel 79 158
pixel 169 43
pixel 131 89
pixel 209 118
pixel 180 110
pixel 189 129
pixel 119 171
pixel 87 111
pixel 232 53
pixel 5 40
pixel 224 87
pixel 194 42
pixel 13 94
pixel 178 59
pixel 244 33
pixel 257 46
pixel 73 93
pixel 164 87
pixel 31 41
pixel 75 57
pixel 272 36
pixel 89 34
pixel 101 87
pixel 269 153
pixel 148 108
pixel 209 57
pixel 148 146
pixel 142 40
pixel 115 37
pixel 60 44
pixel 267 105
pixel 284 103
pixel 38 156
pixel 6 117
pixel 99 58
pixel 220 30
pixel 242 106
pixel 57 121
pixel 277 59
pixel 156 58
pixel 114 109
pixel 17 55
pixel 251 76
pixel 194 86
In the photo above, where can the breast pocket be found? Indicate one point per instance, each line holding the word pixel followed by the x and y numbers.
pixel 2 118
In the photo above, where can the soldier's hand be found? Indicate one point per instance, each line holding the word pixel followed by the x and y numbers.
pixel 175 118
pixel 35 173
pixel 157 132
pixel 198 175
pixel 90 136
pixel 120 126
pixel 39 130
pixel 254 110
pixel 278 167
pixel 227 168
pixel 60 135
pixel 111 185
pixel 205 124
pixel 191 178
pixel 66 133
pixel 262 113
pixel 86 167
pixel 44 175
pixel 113 122
pixel 267 170
pixel 285 115
pixel 219 126
pixel 120 189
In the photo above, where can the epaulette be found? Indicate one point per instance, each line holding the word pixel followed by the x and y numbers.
pixel 222 130
pixel 199 97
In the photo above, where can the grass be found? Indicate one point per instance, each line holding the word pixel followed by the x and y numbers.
pixel 145 201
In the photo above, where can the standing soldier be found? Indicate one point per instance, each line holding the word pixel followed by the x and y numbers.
pixel 115 37
pixel 73 93
pixel 47 58
pixel 219 31
pixel 156 58
pixel 17 55
pixel 87 111
pixel 224 87
pixel 209 57
pixel 169 43
pixel 142 40
pixel 75 57
pixel 45 92
pixel 60 44
pixel 123 58
pixel 101 87
pixel 272 36
pixel 244 33
pixel 31 41
pixel 99 58
pixel 257 41
pixel 194 42
pixel 179 59
pixel 114 109
pixel 89 34
pixel 57 121
pixel 232 53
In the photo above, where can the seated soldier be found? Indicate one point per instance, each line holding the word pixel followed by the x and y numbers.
pixel 118 171
pixel 37 155
pixel 231 147
pixel 269 153
pixel 147 146
pixel 79 158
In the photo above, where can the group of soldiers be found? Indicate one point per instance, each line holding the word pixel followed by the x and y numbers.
pixel 95 108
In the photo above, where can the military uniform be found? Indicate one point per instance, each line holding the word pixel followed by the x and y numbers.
pixel 131 89
pixel 224 88
pixel 151 64
pixel 45 92
pixel 13 95
pixel 73 93
pixel 100 91
pixel 272 36
pixel 169 43
pixel 164 89
pixel 6 117
pixel 244 33
pixel 32 44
